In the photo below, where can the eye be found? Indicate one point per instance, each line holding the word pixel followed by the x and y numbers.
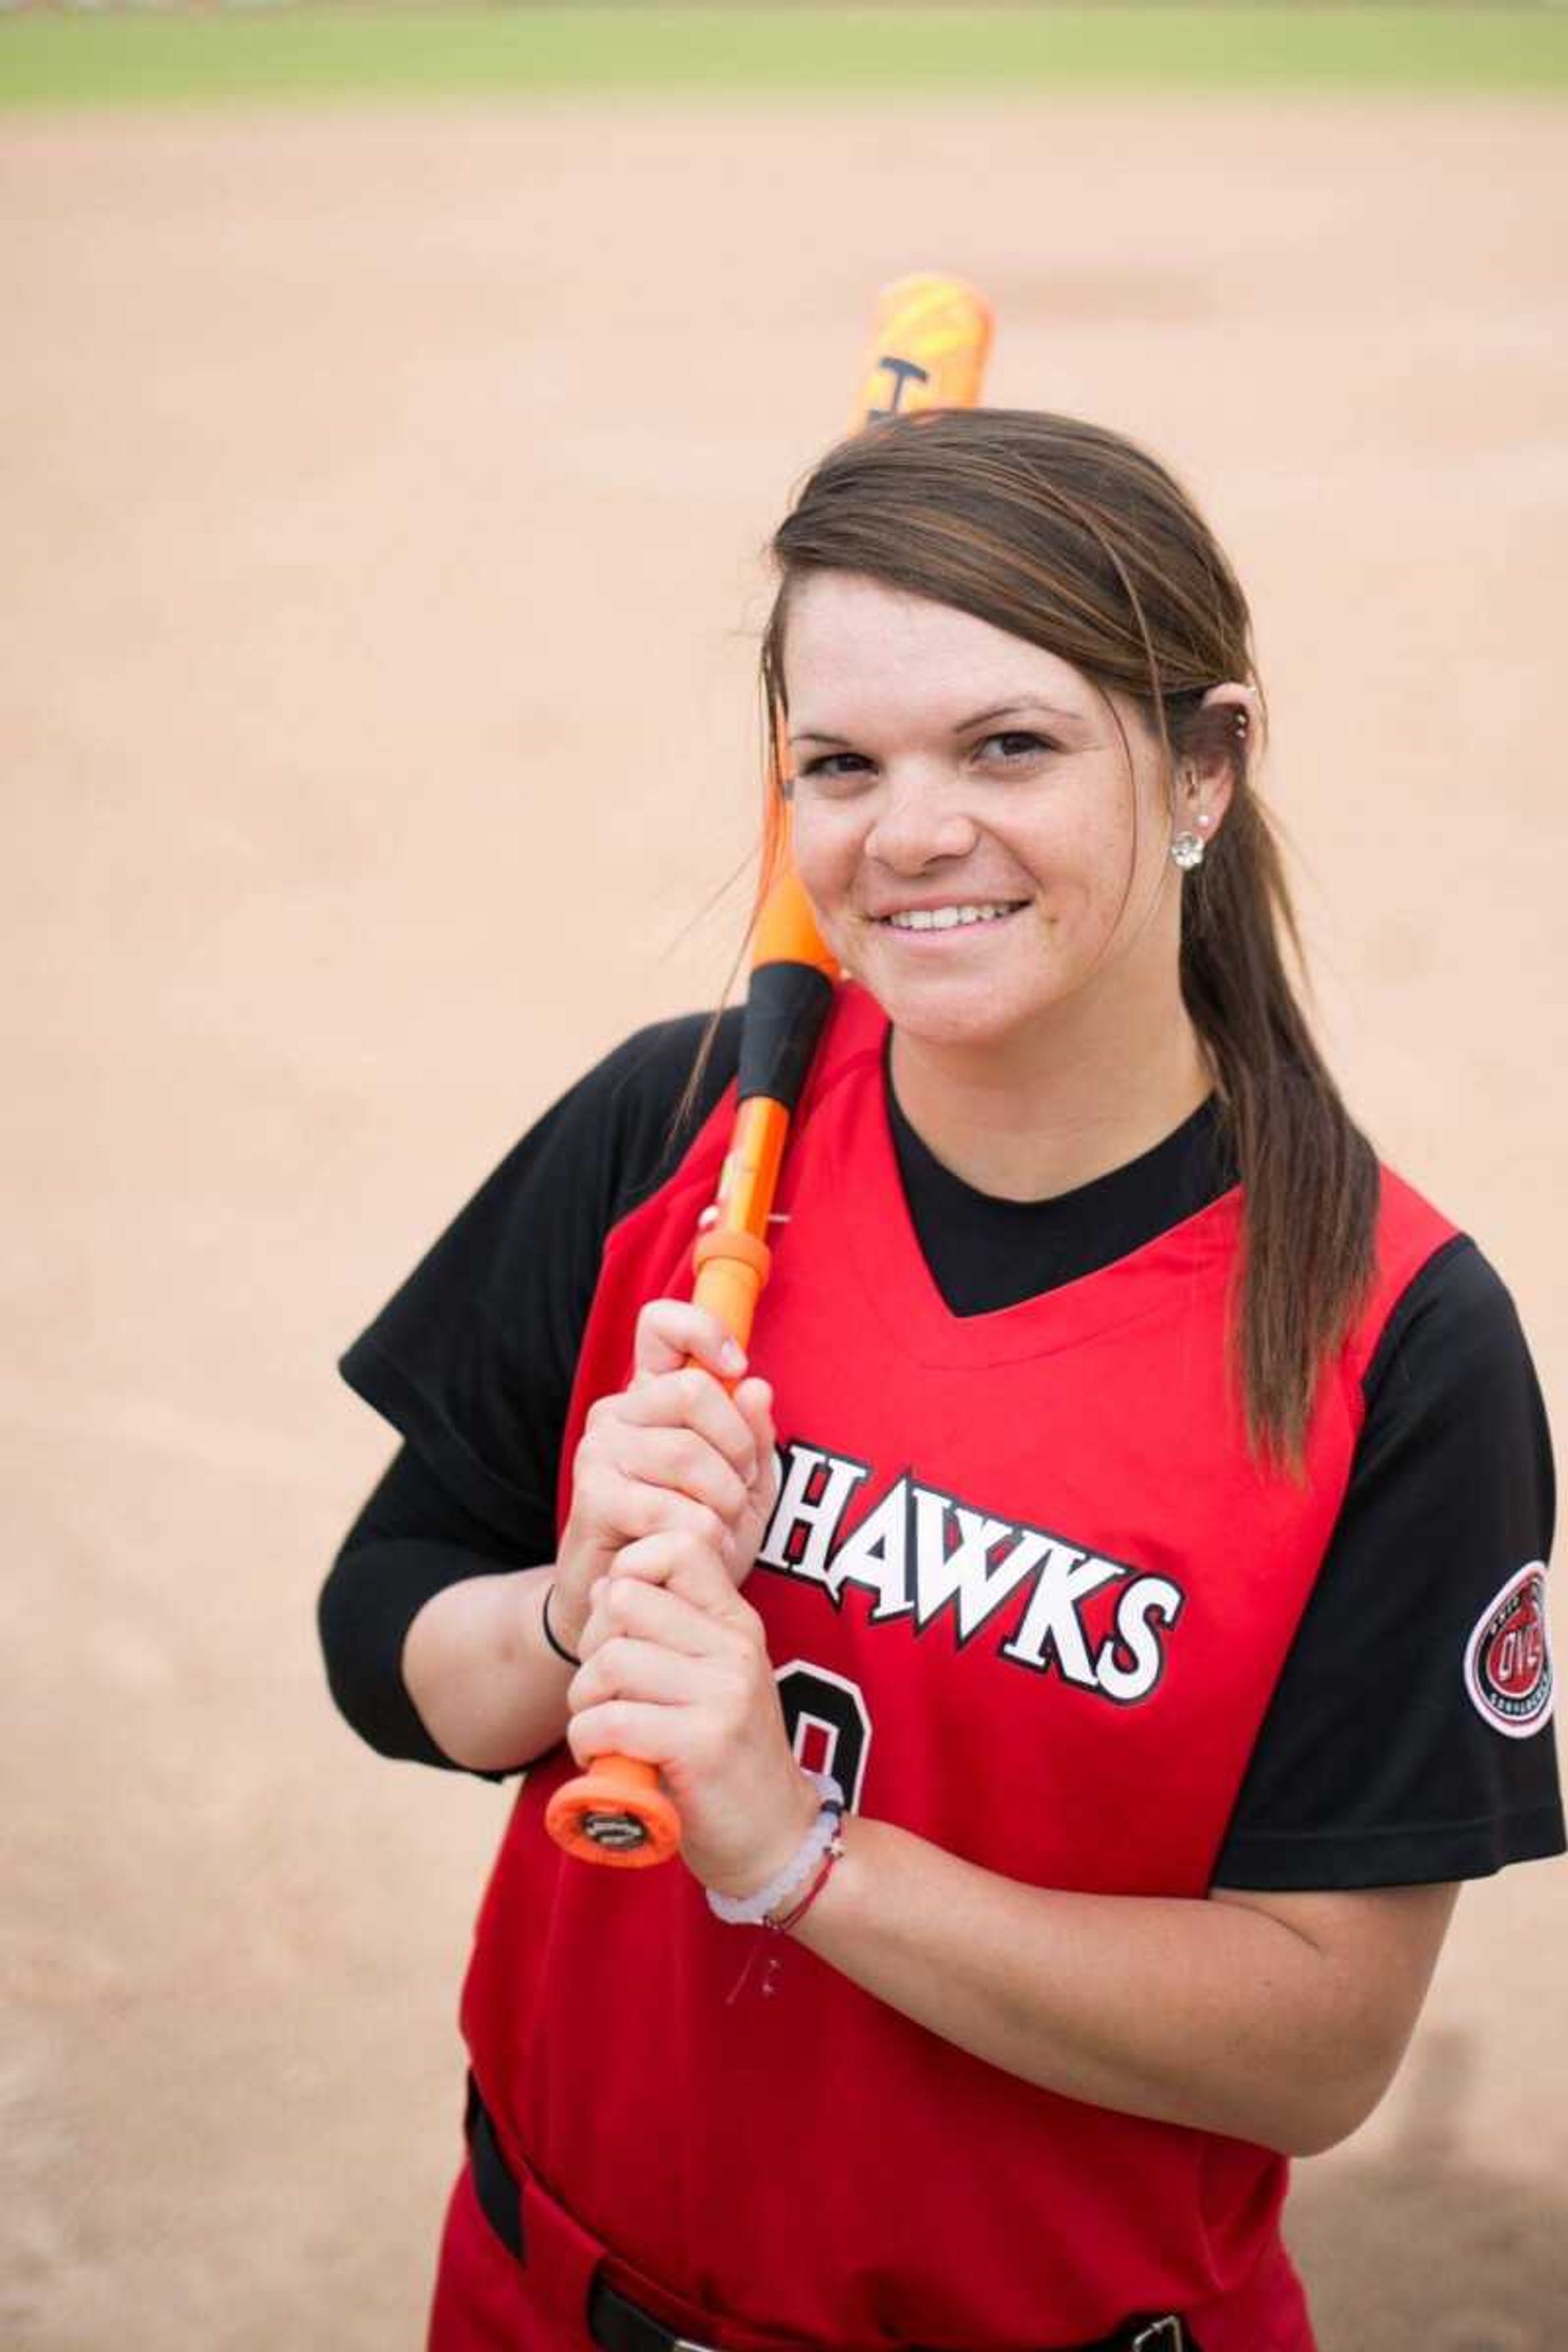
pixel 1014 745
pixel 833 767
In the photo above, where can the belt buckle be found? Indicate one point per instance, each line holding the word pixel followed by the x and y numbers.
pixel 1165 2332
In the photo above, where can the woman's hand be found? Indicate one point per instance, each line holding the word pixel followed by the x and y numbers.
pixel 675 1672
pixel 674 1453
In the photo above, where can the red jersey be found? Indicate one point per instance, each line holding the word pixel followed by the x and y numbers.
pixel 1028 1596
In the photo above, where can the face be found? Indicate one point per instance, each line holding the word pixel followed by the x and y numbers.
pixel 983 844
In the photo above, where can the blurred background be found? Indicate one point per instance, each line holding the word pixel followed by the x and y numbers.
pixel 395 406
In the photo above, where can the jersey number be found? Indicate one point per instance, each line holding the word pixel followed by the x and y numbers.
pixel 828 1723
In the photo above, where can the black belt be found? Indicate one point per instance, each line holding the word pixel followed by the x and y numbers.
pixel 618 2325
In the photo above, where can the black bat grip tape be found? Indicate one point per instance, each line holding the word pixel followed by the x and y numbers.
pixel 786 1004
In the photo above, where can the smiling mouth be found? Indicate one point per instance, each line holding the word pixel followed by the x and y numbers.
pixel 958 917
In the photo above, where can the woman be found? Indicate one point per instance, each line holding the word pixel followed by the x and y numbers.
pixel 1132 1514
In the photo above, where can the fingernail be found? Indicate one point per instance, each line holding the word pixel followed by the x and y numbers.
pixel 733 1356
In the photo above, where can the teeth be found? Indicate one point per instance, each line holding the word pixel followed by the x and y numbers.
pixel 946 919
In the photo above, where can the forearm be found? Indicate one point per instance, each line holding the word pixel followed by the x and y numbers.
pixel 1209 2014
pixel 487 1685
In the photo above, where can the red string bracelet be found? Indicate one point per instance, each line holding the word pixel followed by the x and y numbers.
pixel 798 1911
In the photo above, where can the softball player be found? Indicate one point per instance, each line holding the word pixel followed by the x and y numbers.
pixel 1091 1641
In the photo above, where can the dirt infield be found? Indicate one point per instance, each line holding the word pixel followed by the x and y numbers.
pixel 382 493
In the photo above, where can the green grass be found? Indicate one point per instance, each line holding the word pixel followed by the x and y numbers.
pixel 129 55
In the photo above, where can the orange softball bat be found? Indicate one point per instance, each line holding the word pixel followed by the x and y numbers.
pixel 931 337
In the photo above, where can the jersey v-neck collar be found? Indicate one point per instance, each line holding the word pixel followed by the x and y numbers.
pixel 960 1277
pixel 986 1253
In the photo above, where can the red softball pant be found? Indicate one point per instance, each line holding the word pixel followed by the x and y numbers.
pixel 487 2301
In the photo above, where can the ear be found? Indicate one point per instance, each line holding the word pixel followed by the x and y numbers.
pixel 1230 718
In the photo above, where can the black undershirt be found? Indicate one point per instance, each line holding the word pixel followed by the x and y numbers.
pixel 987 1254
pixel 1372 1767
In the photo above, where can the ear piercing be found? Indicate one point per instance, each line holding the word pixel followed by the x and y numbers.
pixel 1187 848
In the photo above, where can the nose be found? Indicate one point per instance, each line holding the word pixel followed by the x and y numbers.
pixel 918 822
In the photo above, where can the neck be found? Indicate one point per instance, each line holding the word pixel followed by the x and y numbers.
pixel 1034 1117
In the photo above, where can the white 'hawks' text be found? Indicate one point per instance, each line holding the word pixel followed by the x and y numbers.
pixel 921 1553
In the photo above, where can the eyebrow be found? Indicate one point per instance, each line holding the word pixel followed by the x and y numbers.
pixel 976 718
pixel 1016 709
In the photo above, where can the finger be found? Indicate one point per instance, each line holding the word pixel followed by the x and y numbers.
pixel 635 1510
pixel 685 1609
pixel 620 1726
pixel 682 1462
pixel 754 1401
pixel 630 1669
pixel 692 1570
pixel 674 1560
pixel 656 1567
pixel 692 1399
pixel 671 1329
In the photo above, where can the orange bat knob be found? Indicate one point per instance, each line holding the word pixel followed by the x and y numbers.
pixel 614 1812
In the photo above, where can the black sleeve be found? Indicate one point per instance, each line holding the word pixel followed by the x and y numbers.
pixel 412 1539
pixel 473 1361
pixel 1380 1763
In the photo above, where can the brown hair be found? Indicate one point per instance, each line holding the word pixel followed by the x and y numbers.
pixel 1071 538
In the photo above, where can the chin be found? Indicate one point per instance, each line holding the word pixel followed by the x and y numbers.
pixel 955 1035
pixel 951 1018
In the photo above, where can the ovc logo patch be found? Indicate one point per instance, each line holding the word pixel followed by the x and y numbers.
pixel 1507 1667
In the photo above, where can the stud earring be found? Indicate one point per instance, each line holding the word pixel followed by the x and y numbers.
pixel 1186 851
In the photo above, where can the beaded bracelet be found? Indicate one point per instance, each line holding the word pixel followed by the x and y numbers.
pixel 799 1870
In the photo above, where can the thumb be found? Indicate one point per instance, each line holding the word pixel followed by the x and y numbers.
pixel 675 1331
